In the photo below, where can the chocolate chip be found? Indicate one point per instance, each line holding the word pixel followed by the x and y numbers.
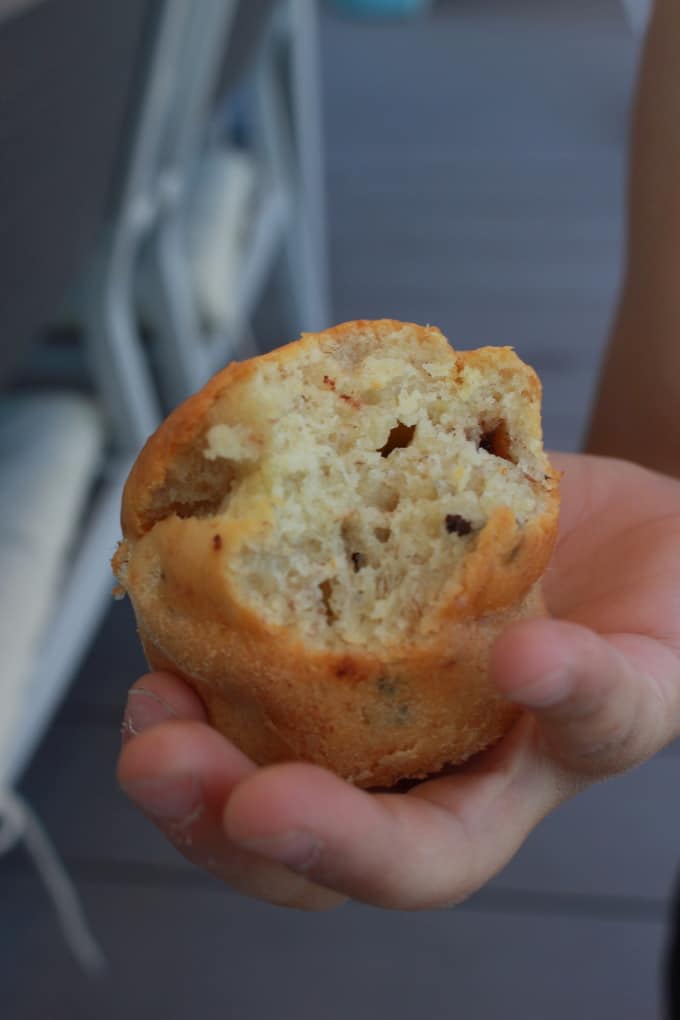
pixel 217 542
pixel 346 667
pixel 402 714
pixel 496 441
pixel 455 524
pixel 359 560
pixel 387 686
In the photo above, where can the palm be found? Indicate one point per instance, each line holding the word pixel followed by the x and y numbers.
pixel 613 589
pixel 616 567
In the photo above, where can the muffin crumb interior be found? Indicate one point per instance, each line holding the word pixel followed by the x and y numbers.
pixel 357 476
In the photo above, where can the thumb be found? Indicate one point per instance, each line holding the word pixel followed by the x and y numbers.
pixel 603 703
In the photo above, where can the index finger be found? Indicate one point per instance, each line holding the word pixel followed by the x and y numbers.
pixel 430 847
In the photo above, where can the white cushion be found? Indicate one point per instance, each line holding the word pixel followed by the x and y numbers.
pixel 50 449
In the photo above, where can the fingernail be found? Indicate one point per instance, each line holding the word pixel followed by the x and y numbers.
pixel 549 690
pixel 172 799
pixel 143 710
pixel 297 849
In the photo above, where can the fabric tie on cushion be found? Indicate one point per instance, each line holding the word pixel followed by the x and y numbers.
pixel 19 822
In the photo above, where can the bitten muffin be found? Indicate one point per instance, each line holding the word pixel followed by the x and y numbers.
pixel 326 540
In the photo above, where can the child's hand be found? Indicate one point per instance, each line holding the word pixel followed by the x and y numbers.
pixel 601 683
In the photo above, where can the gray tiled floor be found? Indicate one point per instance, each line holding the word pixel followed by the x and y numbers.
pixel 475 171
pixel 204 954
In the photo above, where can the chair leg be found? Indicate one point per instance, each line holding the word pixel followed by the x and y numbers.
pixel 309 219
pixel 167 298
pixel 290 138
pixel 115 348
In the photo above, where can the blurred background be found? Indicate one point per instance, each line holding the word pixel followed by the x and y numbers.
pixel 185 183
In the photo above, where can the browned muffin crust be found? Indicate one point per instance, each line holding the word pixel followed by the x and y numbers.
pixel 326 541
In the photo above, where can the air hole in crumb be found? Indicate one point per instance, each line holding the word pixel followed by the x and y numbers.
pixel 209 490
pixel 399 438
pixel 326 589
pixel 177 508
pixel 382 534
pixel 358 561
pixel 217 542
pixel 387 499
pixel 496 441
pixel 514 552
pixel 372 397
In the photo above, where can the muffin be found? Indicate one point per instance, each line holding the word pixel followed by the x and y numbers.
pixel 326 541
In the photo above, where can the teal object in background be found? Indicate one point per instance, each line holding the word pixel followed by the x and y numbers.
pixel 382 8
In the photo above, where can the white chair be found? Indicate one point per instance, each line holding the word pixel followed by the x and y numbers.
pixel 289 215
pixel 66 451
pixel 106 297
